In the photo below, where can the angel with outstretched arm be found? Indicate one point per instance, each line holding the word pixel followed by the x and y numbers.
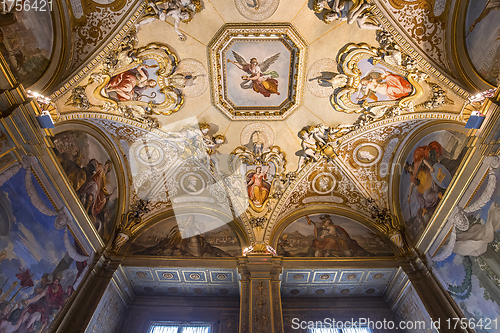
pixel 261 81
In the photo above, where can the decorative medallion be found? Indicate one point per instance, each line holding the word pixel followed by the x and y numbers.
pixel 141 275
pixel 324 276
pixel 367 154
pixel 150 153
pixel 260 135
pixel 256 10
pixel 224 291
pixel 345 291
pixel 194 276
pixel 198 291
pixel 323 183
pixel 221 276
pixel 319 292
pixel 193 77
pixel 319 83
pixel 370 291
pixel 351 276
pixel 173 290
pixel 378 276
pixel 257 70
pixel 298 277
pixel 168 275
pixel 192 183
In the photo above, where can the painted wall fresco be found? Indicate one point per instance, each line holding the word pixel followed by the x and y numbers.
pixel 471 273
pixel 329 236
pixel 482 30
pixel 37 272
pixel 92 175
pixel 26 42
pixel 166 238
pixel 428 170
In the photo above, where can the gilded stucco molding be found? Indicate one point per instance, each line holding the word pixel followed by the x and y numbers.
pixel 292 53
pixel 421 58
pixel 95 22
pixel 89 67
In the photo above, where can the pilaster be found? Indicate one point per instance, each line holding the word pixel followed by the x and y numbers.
pixel 260 297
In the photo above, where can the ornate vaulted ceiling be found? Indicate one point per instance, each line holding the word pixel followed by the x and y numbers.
pixel 251 116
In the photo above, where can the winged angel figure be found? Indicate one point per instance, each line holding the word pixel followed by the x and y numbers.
pixel 258 78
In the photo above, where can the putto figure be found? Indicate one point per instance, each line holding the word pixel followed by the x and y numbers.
pixel 258 78
pixel 179 10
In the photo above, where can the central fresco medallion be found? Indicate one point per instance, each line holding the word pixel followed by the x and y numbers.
pixel 257 70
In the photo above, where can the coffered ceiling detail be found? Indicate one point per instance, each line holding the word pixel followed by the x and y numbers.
pixel 183 281
pixel 336 282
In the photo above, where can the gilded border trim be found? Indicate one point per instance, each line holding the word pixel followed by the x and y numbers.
pixel 76 79
pixel 401 41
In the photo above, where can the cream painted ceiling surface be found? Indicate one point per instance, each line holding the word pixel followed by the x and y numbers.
pixel 387 125
pixel 324 42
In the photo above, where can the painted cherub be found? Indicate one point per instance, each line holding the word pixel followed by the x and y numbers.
pixel 179 10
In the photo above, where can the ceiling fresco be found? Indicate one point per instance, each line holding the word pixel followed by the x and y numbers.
pixel 92 175
pixel 260 69
pixel 237 123
pixel 423 186
pixel 329 236
pixel 26 39
pixel 193 235
pixel 482 39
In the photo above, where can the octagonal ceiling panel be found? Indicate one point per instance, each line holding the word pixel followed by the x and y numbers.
pixel 257 71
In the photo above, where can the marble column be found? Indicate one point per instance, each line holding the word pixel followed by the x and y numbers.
pixel 260 296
